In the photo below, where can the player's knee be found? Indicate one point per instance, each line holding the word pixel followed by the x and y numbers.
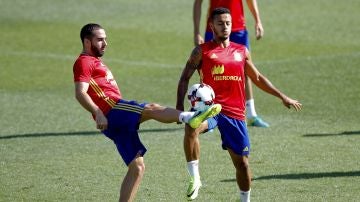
pixel 141 169
pixel 152 107
pixel 192 133
pixel 242 164
pixel 149 111
pixel 138 169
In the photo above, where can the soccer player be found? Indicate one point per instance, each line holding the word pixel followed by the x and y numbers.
pixel 119 119
pixel 223 65
pixel 239 34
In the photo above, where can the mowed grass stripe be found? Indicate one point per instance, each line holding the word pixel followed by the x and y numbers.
pixel 61 56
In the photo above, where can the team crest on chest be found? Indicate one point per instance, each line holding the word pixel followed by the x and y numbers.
pixel 217 69
pixel 237 56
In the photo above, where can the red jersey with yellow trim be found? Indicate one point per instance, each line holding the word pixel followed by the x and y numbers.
pixel 103 89
pixel 223 69
pixel 236 11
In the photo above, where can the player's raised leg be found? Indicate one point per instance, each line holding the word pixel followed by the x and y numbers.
pixel 169 115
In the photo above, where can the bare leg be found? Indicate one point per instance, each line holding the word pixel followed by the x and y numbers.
pixel 251 115
pixel 160 113
pixel 243 173
pixel 248 89
pixel 191 142
pixel 192 154
pixel 132 180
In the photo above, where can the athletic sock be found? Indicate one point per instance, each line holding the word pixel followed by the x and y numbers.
pixel 250 108
pixel 186 116
pixel 245 196
pixel 193 169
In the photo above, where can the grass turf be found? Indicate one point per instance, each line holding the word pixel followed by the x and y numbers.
pixel 50 150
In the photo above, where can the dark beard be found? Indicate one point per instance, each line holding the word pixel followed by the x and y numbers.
pixel 223 38
pixel 96 51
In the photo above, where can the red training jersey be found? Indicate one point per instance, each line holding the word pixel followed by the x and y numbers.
pixel 223 69
pixel 236 11
pixel 103 89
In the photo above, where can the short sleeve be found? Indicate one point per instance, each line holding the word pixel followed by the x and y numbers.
pixel 82 70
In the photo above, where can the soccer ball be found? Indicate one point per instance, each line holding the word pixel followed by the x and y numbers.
pixel 201 96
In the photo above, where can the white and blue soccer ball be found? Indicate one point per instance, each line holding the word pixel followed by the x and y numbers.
pixel 201 96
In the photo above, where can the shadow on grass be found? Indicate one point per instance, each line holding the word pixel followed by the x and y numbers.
pixel 303 176
pixel 333 134
pixel 81 133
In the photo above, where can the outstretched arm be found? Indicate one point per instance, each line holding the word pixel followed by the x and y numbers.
pixel 192 64
pixel 253 7
pixel 196 22
pixel 85 101
pixel 263 83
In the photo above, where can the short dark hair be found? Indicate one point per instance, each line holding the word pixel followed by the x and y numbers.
pixel 87 30
pixel 218 11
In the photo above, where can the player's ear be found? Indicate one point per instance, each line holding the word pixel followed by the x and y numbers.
pixel 211 26
pixel 87 41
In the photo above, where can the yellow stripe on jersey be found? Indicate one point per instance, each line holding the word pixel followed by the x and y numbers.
pixel 128 107
pixel 101 93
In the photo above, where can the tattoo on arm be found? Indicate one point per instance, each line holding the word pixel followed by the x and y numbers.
pixel 194 61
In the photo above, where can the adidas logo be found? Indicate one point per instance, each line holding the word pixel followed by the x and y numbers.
pixel 213 56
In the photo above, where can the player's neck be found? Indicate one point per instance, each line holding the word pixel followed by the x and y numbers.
pixel 223 43
pixel 84 52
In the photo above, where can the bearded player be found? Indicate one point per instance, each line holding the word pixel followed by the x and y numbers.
pixel 119 119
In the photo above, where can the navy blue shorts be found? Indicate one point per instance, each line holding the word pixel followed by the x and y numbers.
pixel 233 132
pixel 123 124
pixel 240 37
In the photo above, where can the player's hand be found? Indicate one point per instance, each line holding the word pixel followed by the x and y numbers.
pixel 259 31
pixel 288 102
pixel 101 120
pixel 198 39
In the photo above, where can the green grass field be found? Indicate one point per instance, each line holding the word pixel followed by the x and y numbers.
pixel 51 151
